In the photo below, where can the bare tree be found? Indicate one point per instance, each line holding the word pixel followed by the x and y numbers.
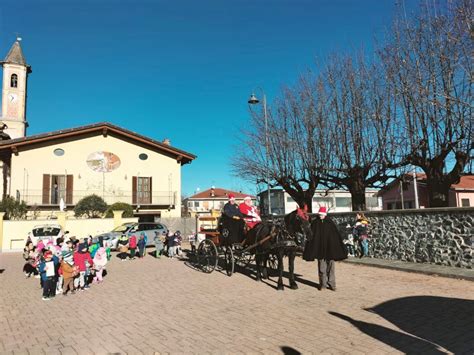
pixel 363 128
pixel 429 63
pixel 294 150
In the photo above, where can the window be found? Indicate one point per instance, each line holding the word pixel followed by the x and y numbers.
pixel 58 152
pixel 465 202
pixel 143 190
pixel 372 202
pixel 343 202
pixel 196 203
pixel 56 187
pixel 14 81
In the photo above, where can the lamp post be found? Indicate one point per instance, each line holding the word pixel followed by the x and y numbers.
pixel 253 100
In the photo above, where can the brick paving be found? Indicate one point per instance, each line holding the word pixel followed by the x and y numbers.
pixel 165 306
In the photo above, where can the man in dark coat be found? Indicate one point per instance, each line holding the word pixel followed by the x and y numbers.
pixel 233 221
pixel 326 246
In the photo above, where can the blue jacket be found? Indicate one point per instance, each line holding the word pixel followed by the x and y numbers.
pixel 42 265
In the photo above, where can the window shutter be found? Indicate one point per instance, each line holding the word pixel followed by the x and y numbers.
pixel 151 190
pixel 46 188
pixel 134 190
pixel 69 189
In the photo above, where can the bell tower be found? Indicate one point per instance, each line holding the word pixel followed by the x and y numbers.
pixel 15 77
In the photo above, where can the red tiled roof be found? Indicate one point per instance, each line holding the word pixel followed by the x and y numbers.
pixel 466 182
pixel 219 194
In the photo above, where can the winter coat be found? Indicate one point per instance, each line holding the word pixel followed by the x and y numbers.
pixel 232 210
pixel 67 269
pixel 100 259
pixel 81 258
pixel 42 267
pixel 132 243
pixel 326 242
pixel 360 231
pixel 141 243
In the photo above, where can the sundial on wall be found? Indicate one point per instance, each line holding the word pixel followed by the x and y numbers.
pixel 103 162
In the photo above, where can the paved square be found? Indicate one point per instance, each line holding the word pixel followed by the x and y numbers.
pixel 166 306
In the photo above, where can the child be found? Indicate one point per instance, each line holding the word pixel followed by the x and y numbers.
pixel 81 257
pixel 69 271
pixel 360 233
pixel 141 245
pixel 171 245
pixel 132 244
pixel 100 260
pixel 122 246
pixel 177 242
pixel 158 244
pixel 48 275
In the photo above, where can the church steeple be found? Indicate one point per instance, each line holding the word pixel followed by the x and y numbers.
pixel 15 75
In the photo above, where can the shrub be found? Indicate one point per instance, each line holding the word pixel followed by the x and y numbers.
pixel 125 207
pixel 13 209
pixel 92 206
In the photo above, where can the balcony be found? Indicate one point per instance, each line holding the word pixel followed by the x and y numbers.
pixel 158 198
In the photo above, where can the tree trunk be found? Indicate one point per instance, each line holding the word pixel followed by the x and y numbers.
pixel 357 189
pixel 438 193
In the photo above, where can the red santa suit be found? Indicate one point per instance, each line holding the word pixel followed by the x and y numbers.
pixel 252 217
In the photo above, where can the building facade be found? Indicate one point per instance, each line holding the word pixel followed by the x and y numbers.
pixel 61 167
pixel 335 200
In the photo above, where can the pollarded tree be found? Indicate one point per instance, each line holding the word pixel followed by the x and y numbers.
pixel 92 206
pixel 429 63
pixel 362 127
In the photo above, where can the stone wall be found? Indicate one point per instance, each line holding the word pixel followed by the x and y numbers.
pixel 443 236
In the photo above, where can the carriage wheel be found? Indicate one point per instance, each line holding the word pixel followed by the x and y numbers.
pixel 229 261
pixel 207 256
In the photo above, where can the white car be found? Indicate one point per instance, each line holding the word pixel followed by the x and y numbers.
pixel 46 233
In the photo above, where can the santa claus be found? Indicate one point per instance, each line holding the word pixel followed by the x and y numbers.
pixel 251 215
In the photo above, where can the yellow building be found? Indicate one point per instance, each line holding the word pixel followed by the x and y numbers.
pixel 67 165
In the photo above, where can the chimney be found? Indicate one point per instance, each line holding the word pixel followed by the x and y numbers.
pixel 167 141
pixel 212 192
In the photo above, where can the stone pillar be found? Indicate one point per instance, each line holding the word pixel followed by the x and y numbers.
pixel 118 218
pixel 1 230
pixel 62 219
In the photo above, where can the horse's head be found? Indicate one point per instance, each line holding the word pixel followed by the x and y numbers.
pixel 298 224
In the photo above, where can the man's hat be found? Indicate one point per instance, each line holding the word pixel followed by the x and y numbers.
pixel 231 196
pixel 323 211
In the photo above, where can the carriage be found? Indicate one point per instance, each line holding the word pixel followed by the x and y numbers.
pixel 216 250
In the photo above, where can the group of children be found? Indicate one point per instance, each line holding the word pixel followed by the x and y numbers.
pixel 166 243
pixel 358 239
pixel 66 266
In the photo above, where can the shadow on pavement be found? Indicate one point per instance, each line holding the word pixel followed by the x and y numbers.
pixel 405 343
pixel 448 322
pixel 287 350
pixel 431 322
pixel 1 271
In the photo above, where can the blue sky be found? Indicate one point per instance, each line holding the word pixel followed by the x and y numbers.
pixel 181 70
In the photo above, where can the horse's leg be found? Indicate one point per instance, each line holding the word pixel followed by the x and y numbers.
pixel 280 270
pixel 264 268
pixel 291 267
pixel 258 259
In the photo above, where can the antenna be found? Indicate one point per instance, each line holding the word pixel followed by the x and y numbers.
pixel 18 38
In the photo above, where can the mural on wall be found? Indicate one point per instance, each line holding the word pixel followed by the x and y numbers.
pixel 103 162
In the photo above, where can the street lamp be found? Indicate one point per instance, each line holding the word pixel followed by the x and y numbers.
pixel 253 100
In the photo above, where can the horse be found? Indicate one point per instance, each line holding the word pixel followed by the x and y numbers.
pixel 279 238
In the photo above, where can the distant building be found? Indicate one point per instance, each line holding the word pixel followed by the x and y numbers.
pixel 460 195
pixel 335 200
pixel 210 200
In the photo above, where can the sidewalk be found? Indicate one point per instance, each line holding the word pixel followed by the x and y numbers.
pixel 421 268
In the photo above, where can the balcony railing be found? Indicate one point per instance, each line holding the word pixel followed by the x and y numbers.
pixel 161 198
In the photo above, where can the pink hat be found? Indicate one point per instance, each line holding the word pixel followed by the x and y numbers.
pixel 231 196
pixel 323 211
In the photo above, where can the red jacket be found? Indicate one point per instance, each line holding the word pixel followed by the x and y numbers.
pixel 80 260
pixel 252 217
pixel 132 243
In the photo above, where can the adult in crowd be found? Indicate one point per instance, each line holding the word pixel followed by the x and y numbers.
pixel 29 254
pixel 327 247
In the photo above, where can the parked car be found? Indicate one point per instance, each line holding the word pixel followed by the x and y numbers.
pixel 46 233
pixel 130 228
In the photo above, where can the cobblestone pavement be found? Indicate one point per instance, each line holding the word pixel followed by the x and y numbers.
pixel 166 306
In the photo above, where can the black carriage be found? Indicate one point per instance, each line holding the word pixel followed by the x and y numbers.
pixel 222 244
